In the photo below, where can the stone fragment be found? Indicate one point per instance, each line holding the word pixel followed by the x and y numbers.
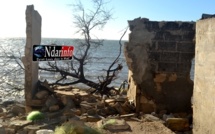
pixel 42 94
pixel 19 124
pixel 93 118
pixel 161 113
pixel 77 118
pixel 53 115
pixel 36 102
pixel 73 93
pixel 100 105
pixel 121 99
pixel 61 119
pixel 9 115
pixel 102 112
pixel 150 118
pixel 54 108
pixel 1 110
pixel 177 124
pixel 69 87
pixel 110 100
pixel 18 110
pixel 85 106
pixel 128 115
pixel 91 112
pixel 44 131
pixel 80 92
pixel 64 99
pixel 51 101
pixel 127 107
pixel 76 111
pixel 31 129
pixel 10 131
pixel 7 103
pixel 119 108
pixel 113 124
pixel 90 99
pixel 90 118
pixel 45 85
pixel 108 111
pixel 83 118
pixel 4 112
pixel 166 116
pixel 67 102
pixel 146 106
pixel 68 113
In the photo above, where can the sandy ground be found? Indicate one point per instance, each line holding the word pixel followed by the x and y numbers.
pixel 139 128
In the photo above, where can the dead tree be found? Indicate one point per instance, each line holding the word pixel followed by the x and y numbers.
pixel 11 83
pixel 85 22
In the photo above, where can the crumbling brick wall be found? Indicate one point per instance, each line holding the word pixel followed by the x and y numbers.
pixel 159 56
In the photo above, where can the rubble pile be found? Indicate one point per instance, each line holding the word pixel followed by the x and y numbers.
pixel 64 104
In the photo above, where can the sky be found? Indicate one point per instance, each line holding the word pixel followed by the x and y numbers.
pixel 57 15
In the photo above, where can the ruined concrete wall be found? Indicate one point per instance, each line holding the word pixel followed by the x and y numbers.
pixel 158 56
pixel 203 95
pixel 33 37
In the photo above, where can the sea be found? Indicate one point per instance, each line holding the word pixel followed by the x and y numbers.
pixel 12 73
pixel 101 57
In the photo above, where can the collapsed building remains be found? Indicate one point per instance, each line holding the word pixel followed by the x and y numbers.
pixel 159 55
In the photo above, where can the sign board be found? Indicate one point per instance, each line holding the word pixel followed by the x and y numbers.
pixel 52 52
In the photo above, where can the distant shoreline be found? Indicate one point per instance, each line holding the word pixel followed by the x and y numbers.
pixel 59 38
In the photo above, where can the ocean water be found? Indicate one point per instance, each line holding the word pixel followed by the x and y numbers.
pixel 101 58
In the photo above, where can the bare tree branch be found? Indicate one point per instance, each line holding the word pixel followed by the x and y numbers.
pixel 12 69
pixel 85 21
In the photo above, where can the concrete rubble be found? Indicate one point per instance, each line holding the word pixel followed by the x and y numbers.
pixel 74 104
pixel 113 124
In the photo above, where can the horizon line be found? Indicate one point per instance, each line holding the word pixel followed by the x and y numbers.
pixel 63 38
